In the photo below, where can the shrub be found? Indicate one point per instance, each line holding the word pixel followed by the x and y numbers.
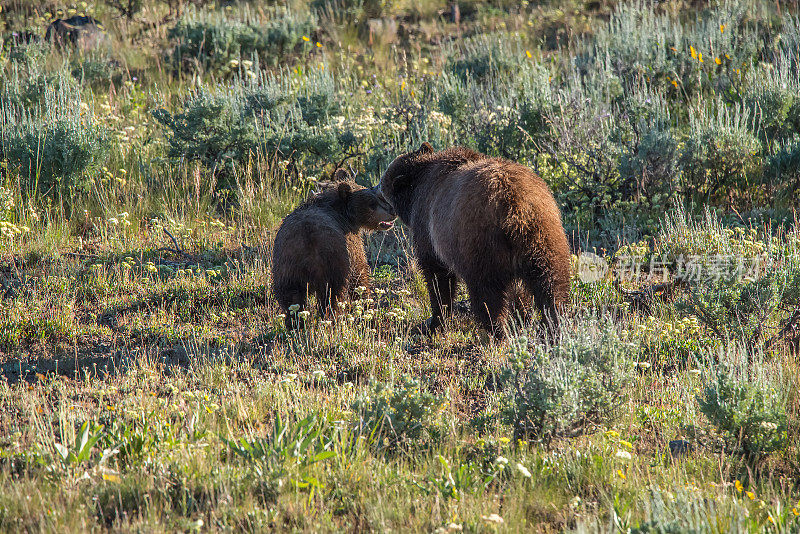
pixel 746 401
pixel 54 146
pixel 782 172
pixel 740 286
pixel 400 415
pixel 210 129
pixel 751 310
pixel 353 10
pixel 485 58
pixel 563 389
pixel 582 161
pixel 224 126
pixel 721 157
pixel 769 104
pixel 29 55
pixel 218 43
pixel 668 512
pixel 639 42
pixel 649 161
pixel 26 94
pixel 97 70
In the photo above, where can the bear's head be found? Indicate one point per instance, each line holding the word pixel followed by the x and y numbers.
pixel 397 183
pixel 364 207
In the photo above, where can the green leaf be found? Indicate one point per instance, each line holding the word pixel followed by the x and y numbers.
pixel 324 455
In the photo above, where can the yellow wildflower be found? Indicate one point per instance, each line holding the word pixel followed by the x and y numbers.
pixel 693 52
pixel 306 39
pixel 718 61
pixel 721 28
pixel 528 53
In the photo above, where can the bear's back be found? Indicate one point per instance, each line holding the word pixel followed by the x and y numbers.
pixel 492 190
pixel 310 239
pixel 488 193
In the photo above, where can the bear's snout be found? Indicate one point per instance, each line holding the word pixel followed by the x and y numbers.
pixel 385 212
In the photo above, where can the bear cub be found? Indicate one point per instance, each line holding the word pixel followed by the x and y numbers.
pixel 490 222
pixel 319 247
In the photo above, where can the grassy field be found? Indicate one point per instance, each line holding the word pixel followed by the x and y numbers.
pixel 149 383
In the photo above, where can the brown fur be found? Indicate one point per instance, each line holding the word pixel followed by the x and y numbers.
pixel 318 248
pixel 488 221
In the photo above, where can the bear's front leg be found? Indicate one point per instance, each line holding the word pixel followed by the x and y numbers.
pixel 442 285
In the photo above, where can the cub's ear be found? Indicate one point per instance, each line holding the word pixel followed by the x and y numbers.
pixel 344 190
pixel 426 148
pixel 341 175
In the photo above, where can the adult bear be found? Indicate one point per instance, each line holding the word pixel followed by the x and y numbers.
pixel 488 221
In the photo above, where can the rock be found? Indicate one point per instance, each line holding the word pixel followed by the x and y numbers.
pixel 176 356
pixel 84 33
pixel 680 447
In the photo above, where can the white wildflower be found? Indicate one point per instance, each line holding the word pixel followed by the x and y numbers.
pixel 523 470
pixel 493 518
pixel 623 455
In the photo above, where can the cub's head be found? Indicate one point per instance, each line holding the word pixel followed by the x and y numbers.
pixel 364 207
pixel 397 183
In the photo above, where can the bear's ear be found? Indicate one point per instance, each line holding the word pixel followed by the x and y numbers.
pixel 426 148
pixel 344 190
pixel 340 175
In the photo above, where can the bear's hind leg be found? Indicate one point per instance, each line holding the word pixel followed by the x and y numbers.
pixel 295 294
pixel 335 288
pixel 540 286
pixel 488 298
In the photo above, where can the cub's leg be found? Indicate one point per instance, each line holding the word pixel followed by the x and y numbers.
pixel 332 290
pixel 359 269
